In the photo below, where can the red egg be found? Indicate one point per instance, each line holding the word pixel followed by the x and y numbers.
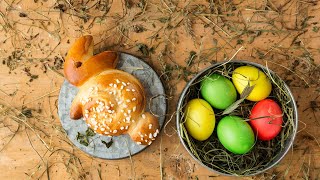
pixel 266 119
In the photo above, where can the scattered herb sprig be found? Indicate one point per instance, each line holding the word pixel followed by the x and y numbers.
pixel 84 138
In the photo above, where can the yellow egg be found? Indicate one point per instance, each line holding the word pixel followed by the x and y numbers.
pixel 243 75
pixel 199 119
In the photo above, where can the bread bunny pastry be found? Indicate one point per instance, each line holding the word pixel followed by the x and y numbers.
pixel 111 101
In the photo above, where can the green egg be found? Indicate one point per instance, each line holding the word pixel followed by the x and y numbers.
pixel 235 134
pixel 218 91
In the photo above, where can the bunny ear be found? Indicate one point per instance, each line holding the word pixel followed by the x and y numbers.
pixel 80 63
pixel 81 49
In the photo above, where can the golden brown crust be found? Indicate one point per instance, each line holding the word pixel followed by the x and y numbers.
pixel 111 101
pixel 145 130
pixel 122 89
pixel 80 63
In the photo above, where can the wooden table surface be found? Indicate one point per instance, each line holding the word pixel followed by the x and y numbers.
pixel 36 34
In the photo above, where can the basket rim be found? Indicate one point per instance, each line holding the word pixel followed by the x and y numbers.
pixel 187 86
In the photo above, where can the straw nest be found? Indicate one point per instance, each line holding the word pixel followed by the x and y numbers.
pixel 264 154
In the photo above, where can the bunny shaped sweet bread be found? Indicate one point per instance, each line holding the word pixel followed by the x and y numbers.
pixel 111 101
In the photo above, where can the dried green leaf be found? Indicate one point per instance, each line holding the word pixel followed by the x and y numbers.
pixel 164 19
pixel 188 27
pixel 254 35
pixel 232 107
pixel 240 41
pixel 260 54
pixel 315 28
pixel 108 144
pixel 82 139
pixel 26 112
pixel 191 58
pixel 34 76
pixel 215 42
pixel 61 7
pixel 141 4
pixel 128 4
pixel 58 63
pixel 22 14
pixel 90 132
pixel 245 93
pixel 144 49
pixel 304 23
pixel 138 28
pixel 251 39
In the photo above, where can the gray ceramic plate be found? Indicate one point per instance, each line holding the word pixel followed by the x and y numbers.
pixel 122 145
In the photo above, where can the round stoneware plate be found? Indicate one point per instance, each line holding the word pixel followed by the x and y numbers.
pixel 122 146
